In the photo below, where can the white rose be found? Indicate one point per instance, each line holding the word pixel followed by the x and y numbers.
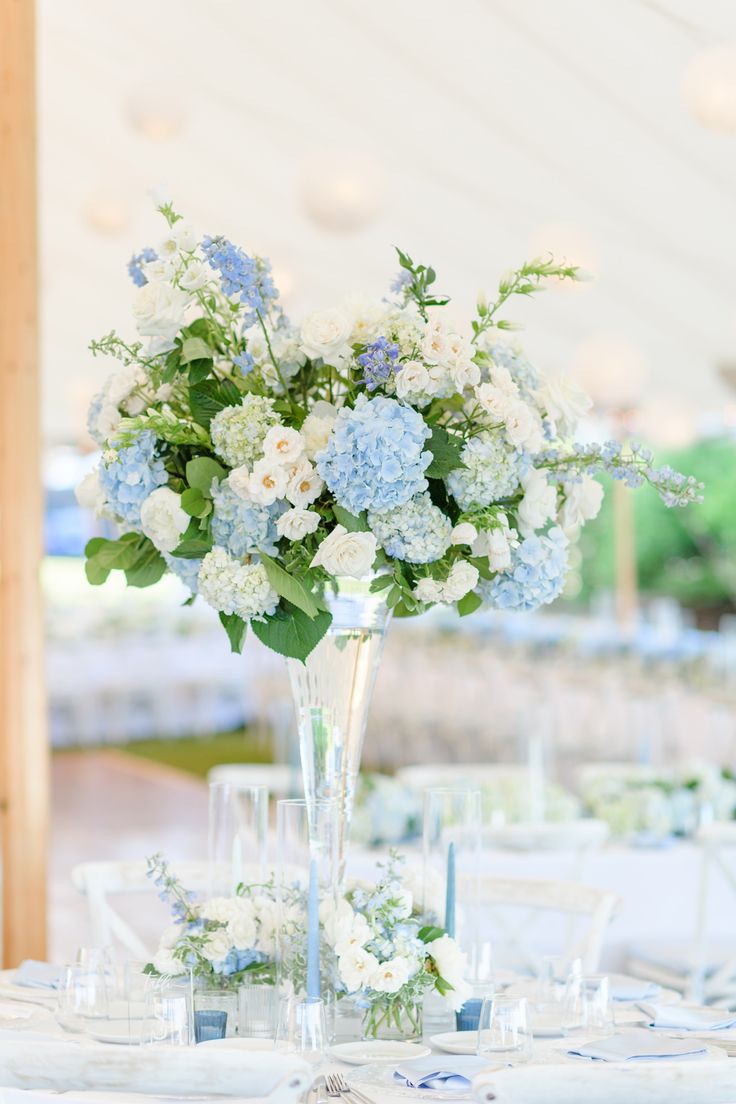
pixel 539 503
pixel 365 316
pixel 359 934
pixel 337 917
pixel 283 445
pixel 439 378
pixel 523 426
pixel 162 519
pixel 582 503
pixel 196 275
pixel 123 382
pixel 344 553
pixel 165 963
pixel 436 345
pixel 89 493
pixel 305 484
pixel 217 945
pixel 158 271
pixel 219 909
pixel 464 373
pixel 462 579
pixel 411 379
pixel 170 937
pixel 565 402
pixel 297 523
pixel 267 482
pixel 159 309
pixel 494 401
pixel 428 590
pixel 357 968
pixel 502 379
pixel 241 931
pixel 464 533
pixel 239 481
pixel 325 334
pixel 390 976
pixel 317 427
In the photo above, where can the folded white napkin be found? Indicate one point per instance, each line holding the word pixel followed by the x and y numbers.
pixel 38 975
pixel 625 988
pixel 438 1072
pixel 638 1045
pixel 689 1017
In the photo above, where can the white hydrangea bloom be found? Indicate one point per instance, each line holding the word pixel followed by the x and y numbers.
pixel 232 587
pixel 238 432
pixel 491 471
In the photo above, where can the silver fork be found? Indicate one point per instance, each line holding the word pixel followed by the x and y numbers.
pixel 337 1086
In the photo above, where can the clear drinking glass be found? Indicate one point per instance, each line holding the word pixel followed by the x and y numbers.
pixel 169 1016
pixel 257 1011
pixel 588 1009
pixel 135 984
pixel 504 1035
pixel 301 1028
pixel 237 832
pixel 83 997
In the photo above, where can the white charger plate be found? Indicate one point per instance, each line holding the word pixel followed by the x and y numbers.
pixel 377 1050
pixel 456 1042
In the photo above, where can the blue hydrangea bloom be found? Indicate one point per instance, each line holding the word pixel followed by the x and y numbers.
pixel 492 471
pixel 186 570
pixel 243 527
pixel 375 457
pixel 524 374
pixel 130 478
pixel 248 278
pixel 417 532
pixel 536 576
pixel 244 362
pixel 378 362
pixel 135 266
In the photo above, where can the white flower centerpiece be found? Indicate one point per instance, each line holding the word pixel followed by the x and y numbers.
pixel 388 959
pixel 272 466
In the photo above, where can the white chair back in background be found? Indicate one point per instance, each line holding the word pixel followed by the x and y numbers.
pixel 425 776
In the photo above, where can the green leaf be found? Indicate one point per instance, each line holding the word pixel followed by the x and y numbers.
pixel 194 348
pixel 429 933
pixel 236 628
pixel 469 603
pixel 381 582
pixel 445 454
pixel 93 546
pixel 120 554
pixel 193 549
pixel 290 632
pixel 147 570
pixel 194 503
pixel 483 567
pixel 353 523
pixel 201 472
pixel 289 587
pixel 199 370
pixel 96 575
pixel 210 397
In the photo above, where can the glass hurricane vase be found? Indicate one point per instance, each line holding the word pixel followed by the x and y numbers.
pixel 332 693
pixel 394 1018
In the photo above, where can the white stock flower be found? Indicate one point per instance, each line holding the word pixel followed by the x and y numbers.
pixel 523 426
pixel 462 579
pixel 217 945
pixel 317 427
pixel 283 445
pixel 344 553
pixel 304 484
pixel 89 493
pixel 428 590
pixel 464 533
pixel 162 519
pixel 267 481
pixel 357 968
pixel 325 334
pixel 297 523
pixel 565 402
pixel 539 503
pixel 159 310
pixel 390 976
pixel 196 275
pixel 582 503
pixel 412 379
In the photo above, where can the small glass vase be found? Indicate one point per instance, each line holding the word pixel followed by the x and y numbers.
pixel 211 997
pixel 395 1020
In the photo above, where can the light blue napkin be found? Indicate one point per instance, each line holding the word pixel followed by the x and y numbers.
pixel 688 1017
pixel 625 988
pixel 38 975
pixel 439 1072
pixel 637 1046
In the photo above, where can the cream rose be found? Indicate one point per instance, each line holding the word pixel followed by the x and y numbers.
pixel 462 579
pixel 344 553
pixel 428 590
pixel 325 334
pixel 411 379
pixel 162 519
pixel 582 503
pixel 539 503
pixel 159 310
pixel 297 523
pixel 565 402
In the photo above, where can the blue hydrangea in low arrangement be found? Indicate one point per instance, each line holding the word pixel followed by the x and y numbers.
pixel 260 459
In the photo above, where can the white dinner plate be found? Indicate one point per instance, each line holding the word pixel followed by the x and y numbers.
pixel 377 1050
pixel 111 1031
pixel 456 1042
pixel 378 1082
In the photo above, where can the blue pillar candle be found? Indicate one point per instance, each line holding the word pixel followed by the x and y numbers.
pixel 313 982
pixel 450 892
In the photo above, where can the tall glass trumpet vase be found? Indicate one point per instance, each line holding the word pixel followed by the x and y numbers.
pixel 332 694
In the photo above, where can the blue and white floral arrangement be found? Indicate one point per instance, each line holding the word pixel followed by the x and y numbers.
pixel 257 459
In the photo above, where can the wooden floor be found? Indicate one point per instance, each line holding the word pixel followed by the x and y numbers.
pixel 108 805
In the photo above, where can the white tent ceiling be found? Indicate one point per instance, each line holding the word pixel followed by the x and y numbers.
pixel 480 132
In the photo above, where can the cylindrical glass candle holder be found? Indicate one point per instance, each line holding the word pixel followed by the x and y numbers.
pixel 238 823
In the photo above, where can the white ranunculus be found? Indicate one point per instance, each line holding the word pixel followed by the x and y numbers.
pixel 217 945
pixel 196 275
pixel 462 579
pixel 565 402
pixel 539 503
pixel 326 334
pixel 283 445
pixel 297 523
pixel 464 533
pixel 523 426
pixel 89 493
pixel 267 482
pixel 428 590
pixel 582 503
pixel 344 553
pixel 357 968
pixel 165 963
pixel 159 310
pixel 390 976
pixel 317 427
pixel 305 484
pixel 411 379
pixel 162 519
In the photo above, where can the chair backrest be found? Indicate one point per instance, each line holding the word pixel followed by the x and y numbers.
pixel 604 1083
pixel 99 881
pixel 514 907
pixel 718 859
pixel 280 779
pixel 584 834
pixel 159 1070
pixel 424 776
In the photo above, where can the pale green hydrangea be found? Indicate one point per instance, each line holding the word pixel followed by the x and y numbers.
pixel 237 431
pixel 232 587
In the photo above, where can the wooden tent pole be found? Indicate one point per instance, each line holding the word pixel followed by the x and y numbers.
pixel 24 760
